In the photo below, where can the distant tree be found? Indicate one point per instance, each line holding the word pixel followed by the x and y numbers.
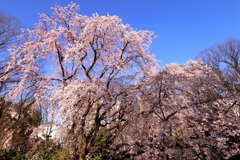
pixel 9 29
pixel 93 67
pixel 225 59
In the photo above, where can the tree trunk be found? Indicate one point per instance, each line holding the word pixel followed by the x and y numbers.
pixel 83 147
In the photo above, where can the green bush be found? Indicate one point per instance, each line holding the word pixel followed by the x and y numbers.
pixel 4 155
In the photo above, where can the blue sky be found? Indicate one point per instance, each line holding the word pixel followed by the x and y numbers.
pixel 183 27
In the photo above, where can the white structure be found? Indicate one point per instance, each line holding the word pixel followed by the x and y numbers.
pixel 47 130
pixel 236 110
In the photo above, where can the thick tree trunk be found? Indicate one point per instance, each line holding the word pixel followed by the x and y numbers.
pixel 83 147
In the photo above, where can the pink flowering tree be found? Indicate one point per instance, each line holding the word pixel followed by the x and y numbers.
pixel 85 71
pixel 184 113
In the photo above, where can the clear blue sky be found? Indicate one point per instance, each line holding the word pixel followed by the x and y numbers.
pixel 184 27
